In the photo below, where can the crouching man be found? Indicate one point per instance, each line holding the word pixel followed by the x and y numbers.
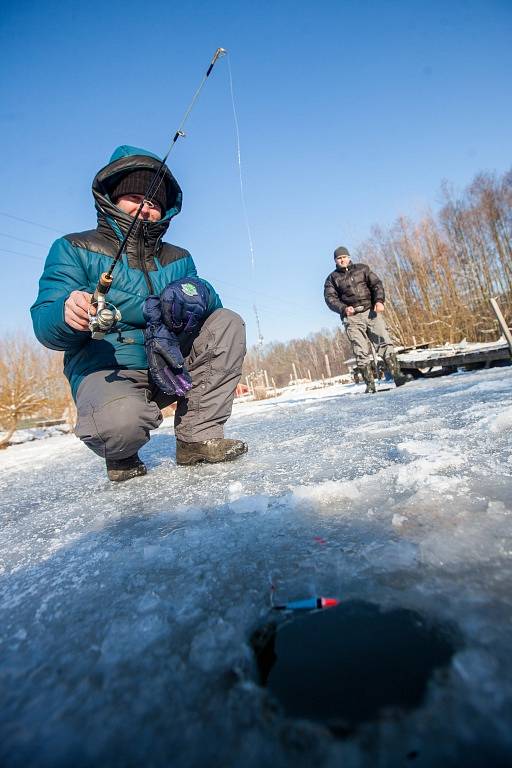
pixel 169 317
pixel 357 295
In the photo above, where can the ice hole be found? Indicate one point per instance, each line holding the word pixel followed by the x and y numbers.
pixel 351 664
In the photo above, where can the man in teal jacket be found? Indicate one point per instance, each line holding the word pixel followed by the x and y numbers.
pixel 118 402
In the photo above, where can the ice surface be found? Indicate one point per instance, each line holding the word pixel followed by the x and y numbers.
pixel 37 433
pixel 126 611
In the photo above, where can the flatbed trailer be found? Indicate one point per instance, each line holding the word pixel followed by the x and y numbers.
pixel 438 361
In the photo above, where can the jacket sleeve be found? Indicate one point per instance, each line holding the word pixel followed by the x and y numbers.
pixel 63 273
pixel 375 285
pixel 214 302
pixel 332 299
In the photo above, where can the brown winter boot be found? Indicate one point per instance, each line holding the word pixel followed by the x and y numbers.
pixel 393 367
pixel 210 451
pixel 368 376
pixel 124 469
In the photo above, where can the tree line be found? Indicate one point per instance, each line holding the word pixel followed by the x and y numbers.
pixel 31 384
pixel 439 274
pixel 320 354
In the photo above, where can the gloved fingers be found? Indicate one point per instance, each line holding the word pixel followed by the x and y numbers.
pixel 171 355
pixel 164 342
pixel 171 381
pixel 181 382
pixel 165 360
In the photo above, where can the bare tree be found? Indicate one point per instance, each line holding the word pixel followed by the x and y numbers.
pixel 21 393
pixel 306 355
pixel 441 272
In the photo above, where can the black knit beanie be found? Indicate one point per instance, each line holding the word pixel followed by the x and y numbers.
pixel 341 251
pixel 138 183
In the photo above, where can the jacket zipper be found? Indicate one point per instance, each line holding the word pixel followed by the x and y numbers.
pixel 141 247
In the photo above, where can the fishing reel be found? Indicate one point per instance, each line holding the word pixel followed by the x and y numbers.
pixel 104 321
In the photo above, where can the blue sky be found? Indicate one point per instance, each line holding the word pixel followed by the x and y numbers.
pixel 350 114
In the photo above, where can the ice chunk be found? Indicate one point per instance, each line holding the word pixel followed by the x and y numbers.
pixel 257 504
pixel 502 422
pixel 326 492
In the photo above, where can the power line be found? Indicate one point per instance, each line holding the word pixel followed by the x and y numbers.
pixel 280 300
pixel 22 240
pixel 18 253
pixel 28 221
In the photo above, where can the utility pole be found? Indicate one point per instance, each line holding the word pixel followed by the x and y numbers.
pixel 260 337
pixel 259 343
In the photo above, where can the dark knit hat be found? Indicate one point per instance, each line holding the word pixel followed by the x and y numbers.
pixel 138 182
pixel 341 251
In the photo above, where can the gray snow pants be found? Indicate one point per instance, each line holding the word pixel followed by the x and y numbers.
pixel 117 408
pixel 364 329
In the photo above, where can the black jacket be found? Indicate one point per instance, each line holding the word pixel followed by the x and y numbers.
pixel 353 286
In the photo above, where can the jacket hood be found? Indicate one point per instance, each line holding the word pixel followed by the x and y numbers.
pixel 124 159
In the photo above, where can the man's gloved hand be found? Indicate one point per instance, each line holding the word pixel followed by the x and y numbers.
pixel 184 306
pixel 165 360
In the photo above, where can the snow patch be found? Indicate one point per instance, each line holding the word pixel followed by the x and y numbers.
pixel 37 433
pixel 502 422
pixel 434 458
pixel 326 492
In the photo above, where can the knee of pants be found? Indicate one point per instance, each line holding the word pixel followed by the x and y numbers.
pixel 223 340
pixel 227 320
pixel 119 428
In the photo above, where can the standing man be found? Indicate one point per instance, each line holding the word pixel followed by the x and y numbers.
pixel 357 295
pixel 195 347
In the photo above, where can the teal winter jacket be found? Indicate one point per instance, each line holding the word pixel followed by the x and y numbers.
pixel 76 261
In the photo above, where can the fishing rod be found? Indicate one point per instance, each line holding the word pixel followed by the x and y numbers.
pixel 107 315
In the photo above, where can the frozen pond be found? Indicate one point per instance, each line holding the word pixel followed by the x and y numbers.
pixel 126 611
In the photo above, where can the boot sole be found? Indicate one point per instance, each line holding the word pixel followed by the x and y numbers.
pixel 199 459
pixel 120 476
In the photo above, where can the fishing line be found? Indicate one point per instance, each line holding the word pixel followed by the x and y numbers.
pixel 104 318
pixel 106 278
pixel 160 173
pixel 238 154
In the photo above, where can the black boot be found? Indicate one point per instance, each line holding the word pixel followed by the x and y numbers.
pixel 209 451
pixel 124 469
pixel 393 367
pixel 367 371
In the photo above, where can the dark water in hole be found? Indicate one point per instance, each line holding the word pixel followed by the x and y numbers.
pixel 343 666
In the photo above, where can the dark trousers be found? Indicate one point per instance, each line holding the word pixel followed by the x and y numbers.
pixel 117 409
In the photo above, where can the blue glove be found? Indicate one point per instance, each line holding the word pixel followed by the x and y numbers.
pixel 184 306
pixel 166 363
